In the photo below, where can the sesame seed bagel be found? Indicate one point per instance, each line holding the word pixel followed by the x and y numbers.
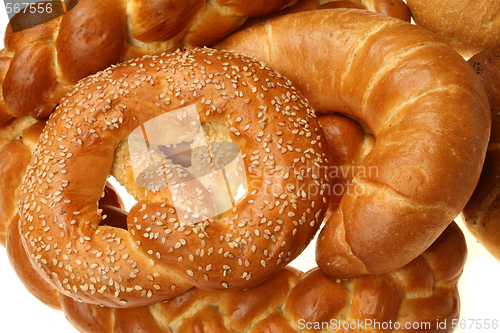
pixel 276 150
pixel 425 106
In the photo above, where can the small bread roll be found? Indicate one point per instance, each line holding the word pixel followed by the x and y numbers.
pixel 467 25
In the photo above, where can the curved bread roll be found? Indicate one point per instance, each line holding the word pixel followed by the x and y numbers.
pixel 431 127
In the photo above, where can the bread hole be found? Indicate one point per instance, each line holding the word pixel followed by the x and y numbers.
pixel 113 217
pixel 193 165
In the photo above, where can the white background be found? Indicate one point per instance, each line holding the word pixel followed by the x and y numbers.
pixel 21 312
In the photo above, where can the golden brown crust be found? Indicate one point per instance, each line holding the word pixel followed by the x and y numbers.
pixel 280 147
pixel 4 67
pixel 11 175
pixel 86 43
pixel 469 26
pixel 17 139
pixel 417 294
pixel 445 113
pixel 152 20
pixel 392 8
pixel 34 59
pixel 32 281
pixel 397 9
pixel 39 65
pixel 349 143
pixel 481 215
pixel 254 8
pixel 215 24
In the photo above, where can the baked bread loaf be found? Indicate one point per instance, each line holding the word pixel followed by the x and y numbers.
pixel 17 141
pixel 431 127
pixel 253 140
pixel 350 143
pixel 397 9
pixel 419 296
pixel 481 214
pixel 39 65
pixel 468 25
pixel 416 298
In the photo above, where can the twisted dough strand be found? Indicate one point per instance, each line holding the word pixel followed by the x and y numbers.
pixel 93 36
pixel 39 65
pixel 422 293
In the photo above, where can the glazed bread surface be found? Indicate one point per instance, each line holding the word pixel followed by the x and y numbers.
pixel 425 106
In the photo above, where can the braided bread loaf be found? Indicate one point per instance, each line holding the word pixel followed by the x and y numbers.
pixel 39 65
pixel 417 297
pixel 423 292
pixel 481 214
pixel 431 127
pixel 469 26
